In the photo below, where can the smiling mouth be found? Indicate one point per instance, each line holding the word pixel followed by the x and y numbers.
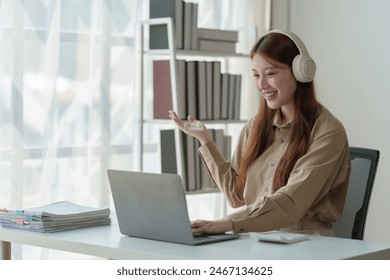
pixel 269 94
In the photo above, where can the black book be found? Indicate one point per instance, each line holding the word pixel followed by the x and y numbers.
pixel 159 33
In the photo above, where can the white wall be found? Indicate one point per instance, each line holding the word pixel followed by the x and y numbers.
pixel 350 41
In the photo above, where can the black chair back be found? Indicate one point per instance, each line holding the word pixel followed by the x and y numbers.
pixel 364 164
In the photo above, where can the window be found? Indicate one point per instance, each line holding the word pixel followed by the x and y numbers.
pixel 67 88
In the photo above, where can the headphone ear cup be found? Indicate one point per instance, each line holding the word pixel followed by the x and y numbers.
pixel 304 68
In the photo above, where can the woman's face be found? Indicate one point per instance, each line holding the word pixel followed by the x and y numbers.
pixel 276 84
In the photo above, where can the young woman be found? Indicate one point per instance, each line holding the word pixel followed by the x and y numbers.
pixel 291 166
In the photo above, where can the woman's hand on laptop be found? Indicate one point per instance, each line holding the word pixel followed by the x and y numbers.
pixel 212 227
pixel 193 127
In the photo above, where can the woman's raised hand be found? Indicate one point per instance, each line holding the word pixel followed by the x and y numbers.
pixel 192 127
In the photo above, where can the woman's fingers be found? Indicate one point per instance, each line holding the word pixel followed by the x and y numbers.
pixel 176 119
pixel 212 227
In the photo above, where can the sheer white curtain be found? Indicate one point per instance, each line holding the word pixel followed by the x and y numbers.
pixel 67 73
pixel 66 95
pixel 66 81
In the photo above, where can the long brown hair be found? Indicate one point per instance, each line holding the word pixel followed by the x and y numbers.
pixel 280 49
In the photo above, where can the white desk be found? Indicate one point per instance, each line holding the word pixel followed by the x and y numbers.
pixel 107 242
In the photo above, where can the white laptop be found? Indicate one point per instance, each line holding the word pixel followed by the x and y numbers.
pixel 153 206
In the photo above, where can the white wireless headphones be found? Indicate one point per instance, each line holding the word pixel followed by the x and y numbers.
pixel 303 66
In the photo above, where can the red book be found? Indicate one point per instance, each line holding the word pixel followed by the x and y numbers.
pixel 162 90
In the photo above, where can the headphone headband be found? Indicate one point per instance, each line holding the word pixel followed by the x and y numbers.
pixel 303 66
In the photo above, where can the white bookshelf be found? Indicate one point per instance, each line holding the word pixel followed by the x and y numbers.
pixel 172 54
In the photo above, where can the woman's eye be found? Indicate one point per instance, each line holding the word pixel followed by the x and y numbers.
pixel 269 74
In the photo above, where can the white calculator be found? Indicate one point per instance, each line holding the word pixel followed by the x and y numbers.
pixel 279 236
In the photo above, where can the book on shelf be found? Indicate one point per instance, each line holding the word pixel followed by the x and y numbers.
pixel 194 27
pixel 190 34
pixel 181 89
pixel 162 89
pixel 202 90
pixel 187 29
pixel 216 46
pixel 209 89
pixel 185 26
pixel 230 96
pixel 54 217
pixel 231 99
pixel 168 151
pixel 224 95
pixel 217 34
pixel 159 33
pixel 190 146
pixel 237 96
pixel 216 90
pixel 196 173
pixel 192 88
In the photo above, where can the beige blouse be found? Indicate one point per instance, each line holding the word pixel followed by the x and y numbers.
pixel 315 193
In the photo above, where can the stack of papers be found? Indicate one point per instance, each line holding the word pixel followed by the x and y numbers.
pixel 55 217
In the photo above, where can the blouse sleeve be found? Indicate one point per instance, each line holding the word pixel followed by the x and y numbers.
pixel 317 186
pixel 224 172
